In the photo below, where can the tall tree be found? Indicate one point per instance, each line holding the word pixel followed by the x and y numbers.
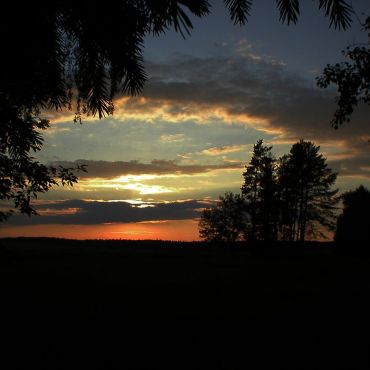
pixel 259 191
pixel 287 199
pixel 226 222
pixel 353 225
pixel 307 189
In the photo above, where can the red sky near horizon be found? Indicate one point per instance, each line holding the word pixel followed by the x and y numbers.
pixel 178 230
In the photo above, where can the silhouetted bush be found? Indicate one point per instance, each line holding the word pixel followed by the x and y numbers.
pixel 226 222
pixel 353 226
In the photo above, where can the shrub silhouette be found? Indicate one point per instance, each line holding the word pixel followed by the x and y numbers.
pixel 226 222
pixel 354 223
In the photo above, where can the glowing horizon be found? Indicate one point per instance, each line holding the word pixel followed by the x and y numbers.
pixel 177 230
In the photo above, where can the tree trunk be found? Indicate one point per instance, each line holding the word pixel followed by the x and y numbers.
pixel 304 219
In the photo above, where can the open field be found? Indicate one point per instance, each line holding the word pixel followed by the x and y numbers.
pixel 177 300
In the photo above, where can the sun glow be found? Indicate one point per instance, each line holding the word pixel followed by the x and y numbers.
pixel 147 189
pixel 127 182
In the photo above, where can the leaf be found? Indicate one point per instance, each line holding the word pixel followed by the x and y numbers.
pixel 339 12
pixel 289 10
pixel 239 10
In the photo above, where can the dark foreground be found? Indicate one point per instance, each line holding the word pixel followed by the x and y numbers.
pixel 155 305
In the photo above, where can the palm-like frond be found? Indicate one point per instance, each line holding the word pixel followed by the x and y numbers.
pixel 289 10
pixel 198 8
pixel 180 19
pixel 339 12
pixel 161 15
pixel 239 10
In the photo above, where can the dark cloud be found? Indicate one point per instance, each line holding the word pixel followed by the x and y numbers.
pixel 105 169
pixel 259 88
pixel 356 166
pixel 264 89
pixel 242 85
pixel 354 159
pixel 80 212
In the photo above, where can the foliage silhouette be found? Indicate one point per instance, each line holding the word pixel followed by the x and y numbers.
pixel 305 192
pixel 21 176
pixel 259 191
pixel 226 222
pixel 353 225
pixel 287 201
pixel 352 79
pixel 67 54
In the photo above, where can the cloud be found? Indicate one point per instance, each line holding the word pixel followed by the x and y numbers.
pixel 221 150
pixel 357 166
pixel 241 88
pixel 109 170
pixel 172 138
pixel 258 93
pixel 82 212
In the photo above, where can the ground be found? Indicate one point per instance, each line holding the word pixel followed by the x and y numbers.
pixel 181 305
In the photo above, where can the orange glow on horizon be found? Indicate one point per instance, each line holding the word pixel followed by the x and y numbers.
pixel 178 230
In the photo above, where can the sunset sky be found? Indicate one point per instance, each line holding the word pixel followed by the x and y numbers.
pixel 166 155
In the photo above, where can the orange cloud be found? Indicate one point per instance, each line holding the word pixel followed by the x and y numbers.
pixel 152 110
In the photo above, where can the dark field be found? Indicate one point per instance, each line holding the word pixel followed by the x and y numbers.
pixel 153 305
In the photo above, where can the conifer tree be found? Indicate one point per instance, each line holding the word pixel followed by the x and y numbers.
pixel 259 191
pixel 287 199
pixel 306 192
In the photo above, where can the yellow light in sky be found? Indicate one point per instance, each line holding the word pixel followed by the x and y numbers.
pixel 130 178
pixel 127 182
pixel 147 189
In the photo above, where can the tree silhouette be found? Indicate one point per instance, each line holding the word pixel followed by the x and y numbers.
pixel 226 222
pixel 259 191
pixel 352 79
pixel 21 176
pixel 353 224
pixel 70 54
pixel 306 197
pixel 288 199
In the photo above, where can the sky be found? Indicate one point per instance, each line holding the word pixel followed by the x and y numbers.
pixel 171 152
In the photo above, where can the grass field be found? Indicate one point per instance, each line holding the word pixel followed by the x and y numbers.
pixel 168 303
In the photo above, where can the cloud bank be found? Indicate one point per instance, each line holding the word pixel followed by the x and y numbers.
pixel 108 170
pixel 82 212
